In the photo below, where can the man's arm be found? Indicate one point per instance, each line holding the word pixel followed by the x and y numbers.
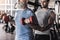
pixel 51 20
pixel 32 21
pixel 52 17
pixel 34 24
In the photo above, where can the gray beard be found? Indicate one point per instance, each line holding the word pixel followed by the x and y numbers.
pixel 21 5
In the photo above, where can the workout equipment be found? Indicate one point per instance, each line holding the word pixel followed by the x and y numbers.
pixel 24 21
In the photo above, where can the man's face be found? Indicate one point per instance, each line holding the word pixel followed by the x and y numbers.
pixel 22 3
pixel 44 3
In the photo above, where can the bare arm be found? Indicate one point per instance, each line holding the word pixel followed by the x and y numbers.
pixel 32 21
pixel 51 20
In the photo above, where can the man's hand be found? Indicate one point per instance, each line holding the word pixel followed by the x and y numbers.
pixel 27 21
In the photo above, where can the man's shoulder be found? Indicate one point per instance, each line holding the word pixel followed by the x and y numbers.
pixel 50 10
pixel 30 10
pixel 38 11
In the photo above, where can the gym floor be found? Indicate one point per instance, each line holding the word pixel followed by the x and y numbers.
pixel 4 35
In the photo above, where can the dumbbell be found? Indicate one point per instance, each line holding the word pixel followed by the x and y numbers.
pixel 25 21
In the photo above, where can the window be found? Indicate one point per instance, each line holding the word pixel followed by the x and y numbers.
pixel 7 6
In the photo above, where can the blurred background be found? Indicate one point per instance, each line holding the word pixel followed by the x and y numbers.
pixel 8 8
